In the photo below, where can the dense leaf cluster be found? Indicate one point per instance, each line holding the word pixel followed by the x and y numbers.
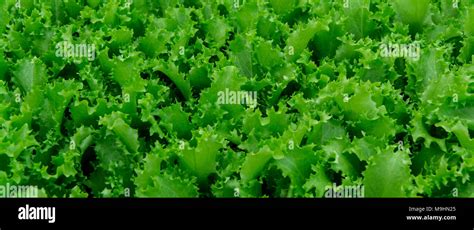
pixel 142 115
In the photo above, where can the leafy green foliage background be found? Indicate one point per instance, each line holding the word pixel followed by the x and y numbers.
pixel 143 115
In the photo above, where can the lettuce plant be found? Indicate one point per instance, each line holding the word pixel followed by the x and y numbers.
pixel 237 98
